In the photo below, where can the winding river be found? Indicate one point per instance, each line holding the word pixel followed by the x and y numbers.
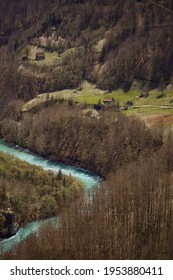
pixel 86 177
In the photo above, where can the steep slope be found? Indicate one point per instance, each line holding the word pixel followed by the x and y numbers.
pixel 106 42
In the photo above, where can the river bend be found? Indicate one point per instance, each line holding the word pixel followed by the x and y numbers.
pixel 86 177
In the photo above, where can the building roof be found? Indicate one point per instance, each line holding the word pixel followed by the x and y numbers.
pixel 108 99
pixel 40 54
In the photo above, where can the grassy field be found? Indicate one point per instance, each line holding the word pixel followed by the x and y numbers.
pixel 88 93
pixel 50 57
pixel 91 95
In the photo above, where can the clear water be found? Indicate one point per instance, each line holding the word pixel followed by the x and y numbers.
pixel 86 177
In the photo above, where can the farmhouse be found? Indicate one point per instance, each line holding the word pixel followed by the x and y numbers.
pixel 40 56
pixel 109 101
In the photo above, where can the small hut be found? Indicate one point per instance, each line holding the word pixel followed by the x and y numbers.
pixel 109 101
pixel 40 56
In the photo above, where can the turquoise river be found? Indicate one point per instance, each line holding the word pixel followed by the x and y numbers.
pixel 86 177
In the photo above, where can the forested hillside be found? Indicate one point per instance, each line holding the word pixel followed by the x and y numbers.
pixel 106 45
pixel 33 193
pixel 128 217
pixel 61 133
pixel 109 43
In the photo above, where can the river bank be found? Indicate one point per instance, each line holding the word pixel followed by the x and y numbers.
pixel 87 178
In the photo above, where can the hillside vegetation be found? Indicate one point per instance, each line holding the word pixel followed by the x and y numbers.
pixel 109 43
pixel 61 132
pixel 33 193
pixel 93 49
pixel 130 216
